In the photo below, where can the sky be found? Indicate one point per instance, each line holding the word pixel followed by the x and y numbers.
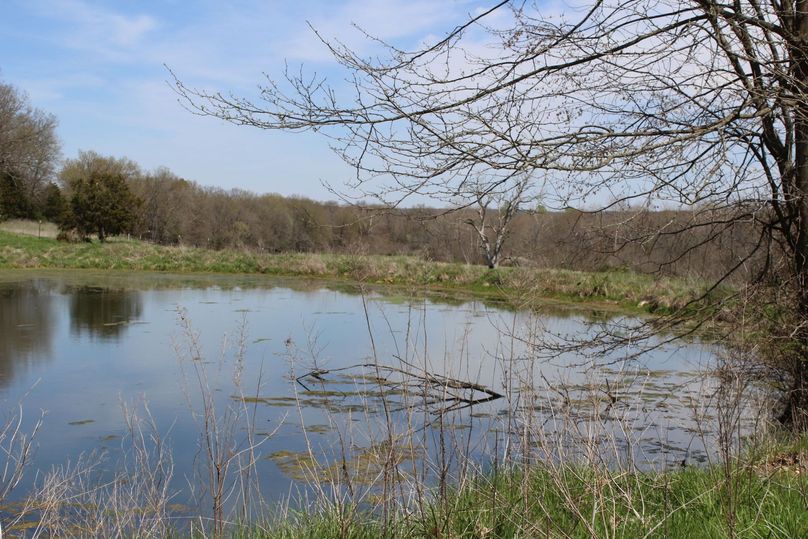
pixel 100 68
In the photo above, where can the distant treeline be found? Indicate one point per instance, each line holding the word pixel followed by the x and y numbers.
pixel 176 211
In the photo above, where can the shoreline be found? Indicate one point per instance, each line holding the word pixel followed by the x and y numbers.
pixel 516 287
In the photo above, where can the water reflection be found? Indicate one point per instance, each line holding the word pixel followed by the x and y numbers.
pixel 103 312
pixel 26 320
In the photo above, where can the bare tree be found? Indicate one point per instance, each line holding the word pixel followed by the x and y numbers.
pixel 695 103
pixel 29 148
pixel 492 231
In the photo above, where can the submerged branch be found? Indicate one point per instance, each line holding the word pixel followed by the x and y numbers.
pixel 431 387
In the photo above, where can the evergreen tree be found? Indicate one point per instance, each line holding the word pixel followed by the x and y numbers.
pixel 101 203
pixel 54 205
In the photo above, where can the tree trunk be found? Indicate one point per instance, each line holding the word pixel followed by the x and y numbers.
pixel 101 236
pixel 795 412
pixel 795 401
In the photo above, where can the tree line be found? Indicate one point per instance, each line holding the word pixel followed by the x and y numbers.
pixel 180 212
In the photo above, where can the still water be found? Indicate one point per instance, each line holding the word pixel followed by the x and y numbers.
pixel 298 359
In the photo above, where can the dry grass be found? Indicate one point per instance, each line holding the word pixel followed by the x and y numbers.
pixel 27 227
pixel 563 465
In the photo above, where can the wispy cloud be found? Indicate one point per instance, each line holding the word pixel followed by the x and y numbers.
pixel 350 24
pixel 91 27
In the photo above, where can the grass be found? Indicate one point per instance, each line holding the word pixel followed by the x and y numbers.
pixel 578 502
pixel 30 228
pixel 622 289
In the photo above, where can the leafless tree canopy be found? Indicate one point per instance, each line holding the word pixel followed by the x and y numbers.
pixel 700 103
pixel 29 148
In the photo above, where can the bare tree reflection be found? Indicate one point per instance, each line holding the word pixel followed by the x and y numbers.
pixel 26 324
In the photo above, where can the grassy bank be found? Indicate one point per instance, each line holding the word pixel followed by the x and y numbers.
pixel 579 503
pixel 619 288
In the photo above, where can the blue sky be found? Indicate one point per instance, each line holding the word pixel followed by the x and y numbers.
pixel 98 66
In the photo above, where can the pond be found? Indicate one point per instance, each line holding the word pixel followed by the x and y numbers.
pixel 318 376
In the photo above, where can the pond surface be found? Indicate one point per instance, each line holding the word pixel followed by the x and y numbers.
pixel 302 360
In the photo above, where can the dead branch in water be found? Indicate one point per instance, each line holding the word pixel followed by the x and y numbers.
pixel 449 392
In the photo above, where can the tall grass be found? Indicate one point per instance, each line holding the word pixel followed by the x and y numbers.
pixel 227 443
pixel 579 503
pixel 94 497
pixel 565 464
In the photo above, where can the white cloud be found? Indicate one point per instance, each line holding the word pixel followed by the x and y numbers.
pixel 43 90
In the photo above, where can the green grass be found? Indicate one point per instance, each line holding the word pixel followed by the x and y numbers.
pixel 579 503
pixel 761 494
pixel 621 289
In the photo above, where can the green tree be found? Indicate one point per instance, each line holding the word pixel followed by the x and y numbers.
pixel 54 205
pixel 100 199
